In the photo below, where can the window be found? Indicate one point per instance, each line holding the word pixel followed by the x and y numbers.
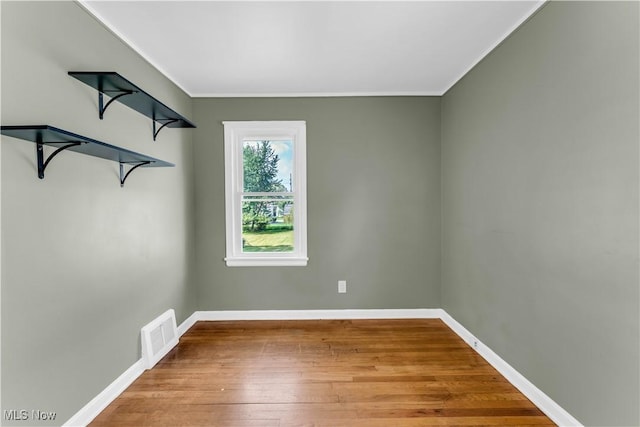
pixel 265 193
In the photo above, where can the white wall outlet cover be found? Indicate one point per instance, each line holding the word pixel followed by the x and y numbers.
pixel 342 286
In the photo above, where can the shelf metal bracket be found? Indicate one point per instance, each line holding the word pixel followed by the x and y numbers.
pixel 42 164
pixel 123 176
pixel 167 122
pixel 102 108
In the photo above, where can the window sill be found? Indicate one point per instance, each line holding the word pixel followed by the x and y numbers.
pixel 266 261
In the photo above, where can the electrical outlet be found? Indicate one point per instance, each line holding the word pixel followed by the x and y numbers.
pixel 342 286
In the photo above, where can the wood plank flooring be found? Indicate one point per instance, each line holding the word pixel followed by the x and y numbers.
pixel 333 373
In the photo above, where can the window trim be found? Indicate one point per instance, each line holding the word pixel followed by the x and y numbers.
pixel 235 132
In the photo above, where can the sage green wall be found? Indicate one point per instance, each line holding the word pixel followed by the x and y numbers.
pixel 85 263
pixel 540 189
pixel 373 183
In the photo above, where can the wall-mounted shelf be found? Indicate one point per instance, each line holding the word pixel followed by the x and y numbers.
pixel 63 140
pixel 122 90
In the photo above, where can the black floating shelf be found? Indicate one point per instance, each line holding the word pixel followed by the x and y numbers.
pixel 122 90
pixel 63 140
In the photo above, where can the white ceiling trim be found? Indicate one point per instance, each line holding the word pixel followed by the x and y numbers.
pixel 535 9
pixel 312 94
pixel 102 21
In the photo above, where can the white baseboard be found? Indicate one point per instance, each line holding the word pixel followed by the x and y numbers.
pixel 189 322
pixel 416 313
pixel 554 411
pixel 92 409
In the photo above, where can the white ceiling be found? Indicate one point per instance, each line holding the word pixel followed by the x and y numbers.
pixel 312 48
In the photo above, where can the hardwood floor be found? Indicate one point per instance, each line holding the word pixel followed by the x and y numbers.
pixel 329 373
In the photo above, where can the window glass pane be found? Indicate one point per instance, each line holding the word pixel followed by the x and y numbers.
pixel 267 226
pixel 267 166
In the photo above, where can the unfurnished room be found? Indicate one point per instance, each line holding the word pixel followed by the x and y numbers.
pixel 320 213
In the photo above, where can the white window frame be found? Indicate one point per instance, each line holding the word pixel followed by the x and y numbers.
pixel 235 133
